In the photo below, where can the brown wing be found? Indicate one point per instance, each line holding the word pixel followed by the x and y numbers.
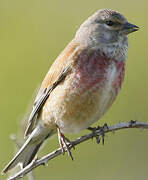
pixel 57 73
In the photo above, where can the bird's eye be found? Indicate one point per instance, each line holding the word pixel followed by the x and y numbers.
pixel 110 23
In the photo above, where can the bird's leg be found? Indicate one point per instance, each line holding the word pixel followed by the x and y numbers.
pixel 93 130
pixel 63 142
pixel 102 132
pixel 60 140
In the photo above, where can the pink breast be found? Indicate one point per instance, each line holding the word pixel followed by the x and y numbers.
pixel 91 69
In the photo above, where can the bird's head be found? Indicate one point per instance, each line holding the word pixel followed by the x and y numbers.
pixel 107 30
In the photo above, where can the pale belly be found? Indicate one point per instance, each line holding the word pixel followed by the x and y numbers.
pixel 73 109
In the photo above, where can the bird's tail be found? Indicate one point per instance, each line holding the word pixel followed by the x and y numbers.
pixel 30 148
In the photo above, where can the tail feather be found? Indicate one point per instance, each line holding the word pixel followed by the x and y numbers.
pixel 30 148
pixel 34 151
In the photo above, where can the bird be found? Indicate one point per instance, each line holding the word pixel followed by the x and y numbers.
pixel 80 86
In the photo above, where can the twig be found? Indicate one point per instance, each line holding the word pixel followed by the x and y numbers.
pixel 96 133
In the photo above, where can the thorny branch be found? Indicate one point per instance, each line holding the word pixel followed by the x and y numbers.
pixel 100 131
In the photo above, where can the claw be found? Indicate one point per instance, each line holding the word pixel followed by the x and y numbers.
pixel 93 130
pixel 105 126
pixel 101 130
pixel 103 135
pixel 64 141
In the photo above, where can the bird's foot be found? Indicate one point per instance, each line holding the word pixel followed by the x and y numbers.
pixel 65 143
pixel 101 129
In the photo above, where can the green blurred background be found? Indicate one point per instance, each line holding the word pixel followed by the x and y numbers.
pixel 32 34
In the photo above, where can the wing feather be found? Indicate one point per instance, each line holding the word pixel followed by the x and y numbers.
pixel 57 73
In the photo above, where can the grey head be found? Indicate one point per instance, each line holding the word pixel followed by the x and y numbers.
pixel 107 31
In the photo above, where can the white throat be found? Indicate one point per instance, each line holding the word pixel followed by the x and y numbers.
pixel 116 50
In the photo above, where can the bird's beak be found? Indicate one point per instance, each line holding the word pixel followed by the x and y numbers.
pixel 129 28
